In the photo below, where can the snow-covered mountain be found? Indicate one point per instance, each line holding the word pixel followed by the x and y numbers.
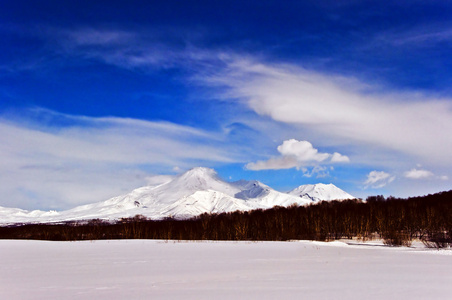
pixel 320 191
pixel 197 191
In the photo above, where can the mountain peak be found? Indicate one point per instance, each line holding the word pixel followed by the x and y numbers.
pixel 200 172
pixel 198 175
pixel 198 179
pixel 321 191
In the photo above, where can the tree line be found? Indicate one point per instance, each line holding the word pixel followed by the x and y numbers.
pixel 397 221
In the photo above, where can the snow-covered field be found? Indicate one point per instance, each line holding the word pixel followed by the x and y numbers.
pixel 149 269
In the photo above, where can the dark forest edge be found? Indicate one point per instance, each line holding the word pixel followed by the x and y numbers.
pixel 397 221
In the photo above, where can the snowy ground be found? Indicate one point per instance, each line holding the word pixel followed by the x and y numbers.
pixel 147 269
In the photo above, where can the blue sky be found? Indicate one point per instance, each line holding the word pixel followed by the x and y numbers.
pixel 98 97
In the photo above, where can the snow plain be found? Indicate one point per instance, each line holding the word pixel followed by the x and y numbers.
pixel 150 269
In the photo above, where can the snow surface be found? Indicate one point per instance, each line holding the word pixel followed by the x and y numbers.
pixel 150 269
pixel 197 191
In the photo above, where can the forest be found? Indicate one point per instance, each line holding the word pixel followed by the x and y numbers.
pixel 397 221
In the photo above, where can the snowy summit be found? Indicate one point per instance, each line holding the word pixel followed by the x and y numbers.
pixel 190 194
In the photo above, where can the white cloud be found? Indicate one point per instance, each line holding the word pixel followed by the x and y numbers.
pixel 318 171
pixel 344 111
pixel 378 179
pixel 331 110
pixel 337 109
pixel 337 158
pixel 303 151
pixel 296 154
pixel 94 158
pixel 418 174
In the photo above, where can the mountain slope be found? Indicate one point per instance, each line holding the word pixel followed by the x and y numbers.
pixel 197 191
pixel 205 202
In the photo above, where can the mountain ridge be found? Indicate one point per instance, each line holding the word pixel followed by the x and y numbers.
pixel 199 190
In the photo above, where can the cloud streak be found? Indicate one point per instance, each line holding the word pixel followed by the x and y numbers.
pixel 344 109
pixel 91 159
pixel 422 36
pixel 127 49
pixel 340 109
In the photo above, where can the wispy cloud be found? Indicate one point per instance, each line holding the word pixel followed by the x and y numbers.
pixel 418 174
pixel 95 158
pixel 99 37
pixel 424 36
pixel 317 171
pixel 126 49
pixel 343 109
pixel 378 179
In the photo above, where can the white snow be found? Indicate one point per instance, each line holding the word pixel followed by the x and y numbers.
pixel 197 191
pixel 149 269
